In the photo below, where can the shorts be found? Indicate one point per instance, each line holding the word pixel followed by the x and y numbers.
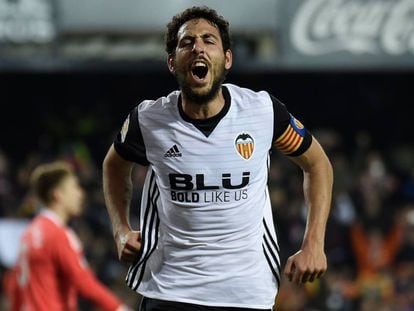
pixel 150 304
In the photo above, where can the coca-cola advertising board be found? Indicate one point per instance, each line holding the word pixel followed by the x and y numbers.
pixel 351 33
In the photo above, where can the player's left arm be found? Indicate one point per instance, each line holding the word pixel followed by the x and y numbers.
pixel 310 261
pixel 292 139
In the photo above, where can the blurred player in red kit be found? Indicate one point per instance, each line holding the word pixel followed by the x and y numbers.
pixel 51 270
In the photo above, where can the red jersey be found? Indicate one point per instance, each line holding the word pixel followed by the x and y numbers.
pixel 51 270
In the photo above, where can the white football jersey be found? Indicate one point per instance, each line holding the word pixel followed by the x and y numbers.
pixel 206 219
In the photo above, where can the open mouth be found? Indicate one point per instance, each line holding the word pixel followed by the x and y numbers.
pixel 200 70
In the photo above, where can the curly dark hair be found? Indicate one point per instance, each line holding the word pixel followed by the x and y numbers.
pixel 196 12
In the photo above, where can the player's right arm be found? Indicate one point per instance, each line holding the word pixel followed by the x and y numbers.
pixel 117 189
pixel 128 148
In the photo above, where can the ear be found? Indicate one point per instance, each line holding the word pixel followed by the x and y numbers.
pixel 171 63
pixel 228 59
pixel 56 195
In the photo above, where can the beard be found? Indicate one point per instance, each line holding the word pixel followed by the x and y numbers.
pixel 201 98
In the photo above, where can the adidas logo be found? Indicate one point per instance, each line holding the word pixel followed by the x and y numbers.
pixel 173 152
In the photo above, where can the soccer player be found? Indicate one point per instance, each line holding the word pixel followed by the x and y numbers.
pixel 206 239
pixel 51 270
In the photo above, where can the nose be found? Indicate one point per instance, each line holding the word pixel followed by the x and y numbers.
pixel 198 46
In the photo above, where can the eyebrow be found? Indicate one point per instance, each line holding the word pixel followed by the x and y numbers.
pixel 203 36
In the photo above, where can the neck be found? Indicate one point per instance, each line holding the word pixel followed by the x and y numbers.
pixel 203 110
pixel 63 216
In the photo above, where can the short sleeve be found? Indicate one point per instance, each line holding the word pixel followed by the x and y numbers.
pixel 290 136
pixel 129 143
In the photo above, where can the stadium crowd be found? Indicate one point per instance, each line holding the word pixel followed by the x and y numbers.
pixel 370 234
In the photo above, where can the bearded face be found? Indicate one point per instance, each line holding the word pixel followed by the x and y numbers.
pixel 199 63
pixel 203 92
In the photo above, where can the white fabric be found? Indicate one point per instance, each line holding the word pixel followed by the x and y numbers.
pixel 213 248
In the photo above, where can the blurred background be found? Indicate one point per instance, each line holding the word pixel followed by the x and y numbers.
pixel 71 70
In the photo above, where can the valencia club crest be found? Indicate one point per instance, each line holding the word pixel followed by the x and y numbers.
pixel 244 144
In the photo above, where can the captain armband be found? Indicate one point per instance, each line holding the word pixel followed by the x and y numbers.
pixel 295 140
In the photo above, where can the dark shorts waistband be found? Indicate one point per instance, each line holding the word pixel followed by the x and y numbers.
pixel 150 304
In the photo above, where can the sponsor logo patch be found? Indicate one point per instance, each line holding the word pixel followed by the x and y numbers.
pixel 173 152
pixel 124 129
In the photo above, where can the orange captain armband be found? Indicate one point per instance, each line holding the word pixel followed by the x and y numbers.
pixel 295 140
